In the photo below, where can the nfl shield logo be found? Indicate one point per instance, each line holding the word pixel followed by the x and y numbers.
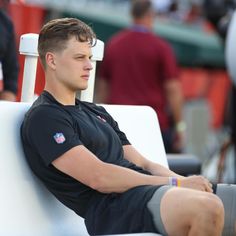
pixel 59 138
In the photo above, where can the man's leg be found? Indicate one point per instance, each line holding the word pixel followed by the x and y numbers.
pixel 187 212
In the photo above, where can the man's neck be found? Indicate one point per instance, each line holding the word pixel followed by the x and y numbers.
pixel 61 93
pixel 140 28
pixel 144 22
pixel 64 100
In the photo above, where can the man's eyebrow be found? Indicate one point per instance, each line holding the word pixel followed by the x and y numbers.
pixel 79 54
pixel 82 54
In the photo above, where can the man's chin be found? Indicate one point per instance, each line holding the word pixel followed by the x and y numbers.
pixel 81 88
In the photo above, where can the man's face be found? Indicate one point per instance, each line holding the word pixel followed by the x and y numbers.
pixel 73 65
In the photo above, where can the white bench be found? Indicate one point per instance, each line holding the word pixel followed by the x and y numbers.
pixel 27 207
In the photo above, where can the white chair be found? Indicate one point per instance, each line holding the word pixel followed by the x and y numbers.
pixel 230 49
pixel 27 208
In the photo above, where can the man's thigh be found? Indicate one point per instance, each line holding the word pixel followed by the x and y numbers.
pixel 178 207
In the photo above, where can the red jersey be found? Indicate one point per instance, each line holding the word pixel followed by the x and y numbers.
pixel 136 66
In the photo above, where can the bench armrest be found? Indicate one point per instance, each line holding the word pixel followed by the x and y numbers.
pixel 184 164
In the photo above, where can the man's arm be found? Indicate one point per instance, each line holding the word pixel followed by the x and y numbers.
pixel 194 182
pixel 174 98
pixel 84 166
pixel 132 155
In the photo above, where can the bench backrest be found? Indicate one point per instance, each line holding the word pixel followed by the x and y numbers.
pixel 27 208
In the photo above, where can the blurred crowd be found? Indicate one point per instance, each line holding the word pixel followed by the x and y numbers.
pixel 200 13
pixel 194 12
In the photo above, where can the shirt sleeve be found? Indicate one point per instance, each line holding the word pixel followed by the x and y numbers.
pixel 50 132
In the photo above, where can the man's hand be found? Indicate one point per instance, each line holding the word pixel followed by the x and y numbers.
pixel 8 96
pixel 197 182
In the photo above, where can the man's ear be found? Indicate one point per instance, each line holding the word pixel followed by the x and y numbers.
pixel 50 60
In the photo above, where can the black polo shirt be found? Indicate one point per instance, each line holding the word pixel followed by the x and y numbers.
pixel 50 129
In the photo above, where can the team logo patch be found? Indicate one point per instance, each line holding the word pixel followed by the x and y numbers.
pixel 59 138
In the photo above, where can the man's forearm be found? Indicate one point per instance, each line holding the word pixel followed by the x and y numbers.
pixel 175 100
pixel 83 165
pixel 120 179
pixel 132 155
pixel 159 170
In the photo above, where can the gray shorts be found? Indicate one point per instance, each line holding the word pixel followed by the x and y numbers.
pixel 154 208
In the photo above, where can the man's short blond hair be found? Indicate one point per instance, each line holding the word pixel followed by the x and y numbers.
pixel 55 34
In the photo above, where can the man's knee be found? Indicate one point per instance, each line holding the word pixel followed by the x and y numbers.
pixel 212 207
pixel 207 214
pixel 193 209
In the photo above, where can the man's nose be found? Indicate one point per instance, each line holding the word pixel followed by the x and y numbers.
pixel 88 65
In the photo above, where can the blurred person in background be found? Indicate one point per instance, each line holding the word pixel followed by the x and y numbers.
pixel 194 15
pixel 168 10
pixel 9 67
pixel 162 6
pixel 139 68
pixel 219 13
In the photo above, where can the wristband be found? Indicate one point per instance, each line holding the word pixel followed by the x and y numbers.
pixel 178 182
pixel 173 181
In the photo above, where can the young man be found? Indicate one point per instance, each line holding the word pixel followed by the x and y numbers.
pixel 79 153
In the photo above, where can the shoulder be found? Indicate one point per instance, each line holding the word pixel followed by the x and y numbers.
pixel 44 109
pixel 98 110
pixel 45 115
pixel 163 43
pixel 93 107
pixel 118 37
pixel 45 112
